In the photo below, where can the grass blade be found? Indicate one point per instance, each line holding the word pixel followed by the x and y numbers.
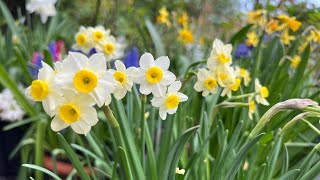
pixel 44 170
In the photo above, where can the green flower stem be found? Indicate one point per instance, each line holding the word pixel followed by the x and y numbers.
pixel 40 133
pixel 225 104
pixel 241 96
pixel 311 126
pixel 143 108
pixel 315 109
pixel 114 124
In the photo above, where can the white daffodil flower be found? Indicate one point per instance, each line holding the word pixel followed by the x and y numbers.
pixel 84 41
pixel 110 47
pixel 44 8
pixel 168 103
pixel 45 89
pixel 98 33
pixel 75 110
pixel 206 82
pixel 153 75
pixel 88 76
pixel 232 87
pixel 262 93
pixel 243 73
pixel 220 55
pixel 124 79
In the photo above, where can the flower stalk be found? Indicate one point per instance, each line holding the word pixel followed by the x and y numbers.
pixel 143 108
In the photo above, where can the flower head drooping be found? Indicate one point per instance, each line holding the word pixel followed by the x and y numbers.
pixel 295 61
pixel 44 8
pixel 123 78
pixel 83 41
pixel 168 102
pixel 153 75
pixel 243 73
pixel 251 107
pixel 88 76
pixel 286 38
pixel 252 39
pixel 163 17
pixel 206 82
pixel 257 17
pixel 75 110
pixel 45 89
pixel 185 36
pixel 220 55
pixel 9 107
pixel 262 93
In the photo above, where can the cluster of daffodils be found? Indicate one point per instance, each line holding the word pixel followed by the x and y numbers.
pixel 185 34
pixel 221 73
pixel 97 39
pixel 71 89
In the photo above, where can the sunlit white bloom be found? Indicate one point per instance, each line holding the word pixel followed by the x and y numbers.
pixel 44 8
pixel 111 48
pixel 45 89
pixel 123 78
pixel 153 75
pixel 262 93
pixel 206 82
pixel 75 110
pixel 98 33
pixel 168 103
pixel 220 54
pixel 226 76
pixel 84 41
pixel 87 75
pixel 9 108
pixel 243 73
pixel 180 171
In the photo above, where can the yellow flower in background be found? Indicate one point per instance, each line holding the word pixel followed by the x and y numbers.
pixel 262 93
pixel 163 17
pixel 183 19
pixel 257 17
pixel 286 38
pixel 291 22
pixel 185 36
pixel 303 47
pixel 252 39
pixel 251 107
pixel 314 36
pixel 272 26
pixel 295 61
pixel 83 40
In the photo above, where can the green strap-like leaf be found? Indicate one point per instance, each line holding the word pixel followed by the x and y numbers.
pixel 242 155
pixel 73 158
pixel 289 174
pixel 44 170
pixel 175 153
pixel 160 51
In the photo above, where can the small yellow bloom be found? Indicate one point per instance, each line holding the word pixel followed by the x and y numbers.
pixel 295 61
pixel 291 22
pixel 236 86
pixel 185 36
pixel 163 17
pixel 286 38
pixel 180 171
pixel 303 47
pixel 183 20
pixel 272 26
pixel 252 39
pixel 251 108
pixel 256 17
pixel 243 73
